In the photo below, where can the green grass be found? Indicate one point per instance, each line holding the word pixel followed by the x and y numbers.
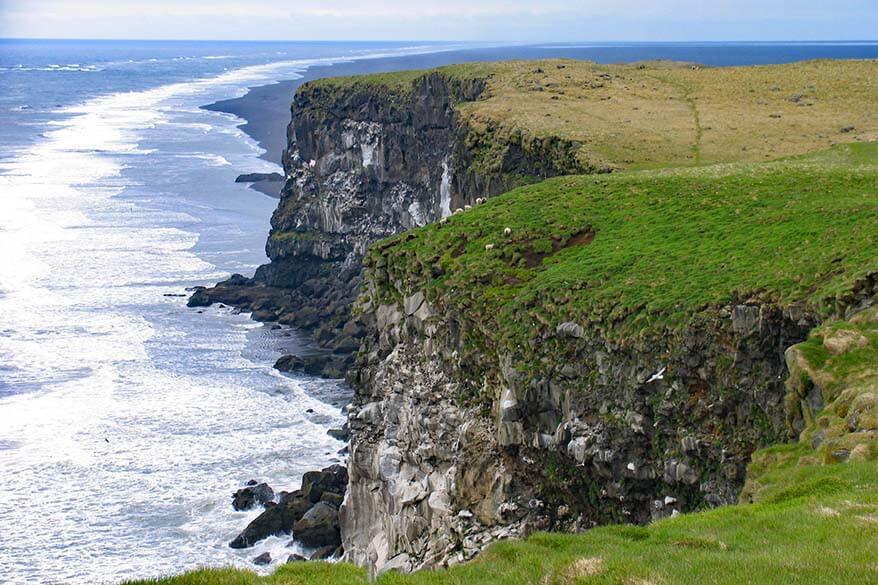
pixel 666 245
pixel 654 114
pixel 401 81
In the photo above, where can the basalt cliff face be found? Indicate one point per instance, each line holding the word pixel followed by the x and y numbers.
pixel 495 392
pixel 453 448
pixel 366 161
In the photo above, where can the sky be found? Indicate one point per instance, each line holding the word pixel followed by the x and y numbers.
pixel 452 20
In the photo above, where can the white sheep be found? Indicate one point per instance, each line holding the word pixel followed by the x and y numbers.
pixel 444 220
pixel 507 232
pixel 489 246
pixel 467 207
pixel 458 210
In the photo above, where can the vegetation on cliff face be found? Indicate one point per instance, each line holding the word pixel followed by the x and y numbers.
pixel 833 388
pixel 642 252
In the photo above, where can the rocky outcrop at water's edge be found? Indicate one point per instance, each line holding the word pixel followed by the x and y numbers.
pixel 310 513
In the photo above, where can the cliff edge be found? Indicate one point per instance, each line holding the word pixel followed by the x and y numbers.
pixel 594 350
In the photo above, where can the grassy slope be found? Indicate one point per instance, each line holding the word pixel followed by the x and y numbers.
pixel 665 244
pixel 661 114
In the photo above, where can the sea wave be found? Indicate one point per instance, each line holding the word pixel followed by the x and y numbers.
pixel 55 68
pixel 119 391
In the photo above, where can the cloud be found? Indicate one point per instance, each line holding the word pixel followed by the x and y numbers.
pixel 446 19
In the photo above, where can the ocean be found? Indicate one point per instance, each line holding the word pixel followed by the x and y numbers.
pixel 126 418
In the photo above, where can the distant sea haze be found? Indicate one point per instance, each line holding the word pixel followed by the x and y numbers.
pixel 127 419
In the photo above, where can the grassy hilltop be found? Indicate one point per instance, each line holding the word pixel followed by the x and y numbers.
pixel 642 251
pixel 727 186
pixel 663 113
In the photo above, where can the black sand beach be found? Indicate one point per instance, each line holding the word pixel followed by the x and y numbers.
pixel 266 109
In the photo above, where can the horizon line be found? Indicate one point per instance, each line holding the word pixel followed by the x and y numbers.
pixel 441 41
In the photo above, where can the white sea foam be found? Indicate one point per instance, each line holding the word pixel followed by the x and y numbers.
pixel 213 160
pixel 133 417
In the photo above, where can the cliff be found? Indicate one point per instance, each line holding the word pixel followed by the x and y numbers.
pixel 372 156
pixel 602 349
pixel 592 350
pixel 369 158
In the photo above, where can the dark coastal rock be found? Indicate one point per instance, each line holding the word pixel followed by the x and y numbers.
pixel 247 497
pixel 342 434
pixel 294 363
pixel 237 280
pixel 324 365
pixel 334 500
pixel 326 552
pixel 263 559
pixel 270 522
pixel 333 479
pixel 295 558
pixel 276 519
pixel 259 177
pixel 199 298
pixel 319 527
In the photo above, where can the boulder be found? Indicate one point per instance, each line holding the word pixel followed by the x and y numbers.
pixel 276 519
pixel 325 365
pixel 237 280
pixel 247 497
pixel 331 479
pixel 295 558
pixel 342 434
pixel 332 499
pixel 263 559
pixel 199 298
pixel 319 527
pixel 324 552
pixel 570 329
pixel 259 177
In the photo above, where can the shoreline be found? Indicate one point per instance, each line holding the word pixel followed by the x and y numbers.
pixel 265 109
